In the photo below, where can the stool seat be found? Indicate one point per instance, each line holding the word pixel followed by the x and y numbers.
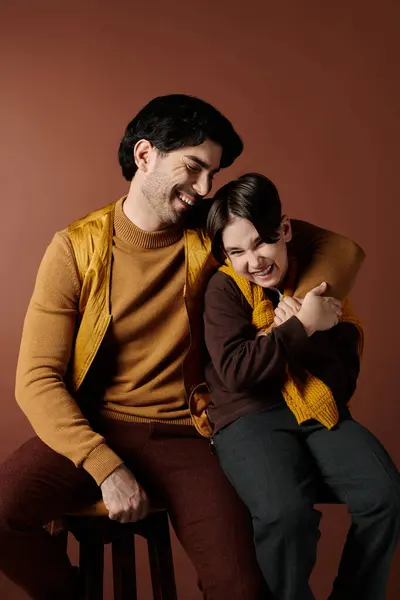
pixel 98 509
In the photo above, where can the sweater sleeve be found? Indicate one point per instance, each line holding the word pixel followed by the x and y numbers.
pixel 45 352
pixel 242 360
pixel 325 256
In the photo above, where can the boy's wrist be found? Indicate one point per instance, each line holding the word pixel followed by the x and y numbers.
pixel 309 328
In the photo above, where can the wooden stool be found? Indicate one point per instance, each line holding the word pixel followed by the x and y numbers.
pixel 93 529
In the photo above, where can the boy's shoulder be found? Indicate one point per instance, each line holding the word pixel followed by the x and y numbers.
pixel 222 289
pixel 220 281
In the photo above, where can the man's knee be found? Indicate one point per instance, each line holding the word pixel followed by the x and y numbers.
pixel 10 515
pixel 21 481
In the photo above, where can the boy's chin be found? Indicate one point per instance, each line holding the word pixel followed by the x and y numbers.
pixel 269 284
pixel 273 282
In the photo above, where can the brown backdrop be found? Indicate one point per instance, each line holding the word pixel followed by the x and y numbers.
pixel 313 88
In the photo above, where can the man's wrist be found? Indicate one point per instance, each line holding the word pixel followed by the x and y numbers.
pixel 101 462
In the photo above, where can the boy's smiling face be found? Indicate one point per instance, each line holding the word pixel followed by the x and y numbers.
pixel 252 258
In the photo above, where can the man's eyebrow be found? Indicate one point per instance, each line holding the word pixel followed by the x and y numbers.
pixel 201 163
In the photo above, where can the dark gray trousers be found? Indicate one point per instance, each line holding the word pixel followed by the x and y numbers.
pixel 277 466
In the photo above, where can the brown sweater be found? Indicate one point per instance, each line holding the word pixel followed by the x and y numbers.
pixel 247 372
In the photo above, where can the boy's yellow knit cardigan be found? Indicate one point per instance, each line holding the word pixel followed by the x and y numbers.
pixel 308 398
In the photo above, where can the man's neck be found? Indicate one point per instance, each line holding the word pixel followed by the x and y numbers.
pixel 137 209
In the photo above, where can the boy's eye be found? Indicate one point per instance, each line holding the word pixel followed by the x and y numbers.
pixel 235 252
pixel 193 168
pixel 260 243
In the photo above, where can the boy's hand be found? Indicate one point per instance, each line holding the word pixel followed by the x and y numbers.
pixel 288 307
pixel 318 313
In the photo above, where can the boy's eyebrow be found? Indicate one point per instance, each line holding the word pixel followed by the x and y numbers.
pixel 227 250
pixel 254 242
pixel 202 164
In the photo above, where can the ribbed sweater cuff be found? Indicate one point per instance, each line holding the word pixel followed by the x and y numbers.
pixel 327 414
pixel 296 341
pixel 101 462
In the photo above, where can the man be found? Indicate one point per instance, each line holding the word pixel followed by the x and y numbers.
pixel 110 369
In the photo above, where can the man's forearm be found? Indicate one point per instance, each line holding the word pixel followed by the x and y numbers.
pixel 326 256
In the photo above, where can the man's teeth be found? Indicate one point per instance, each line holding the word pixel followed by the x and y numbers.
pixel 186 199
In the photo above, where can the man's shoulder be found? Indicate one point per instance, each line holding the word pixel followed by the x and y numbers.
pixel 84 235
pixel 61 241
pixel 95 215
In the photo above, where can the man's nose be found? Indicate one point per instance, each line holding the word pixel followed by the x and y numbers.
pixel 202 185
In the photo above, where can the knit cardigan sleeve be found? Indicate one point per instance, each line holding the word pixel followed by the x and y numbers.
pixel 45 351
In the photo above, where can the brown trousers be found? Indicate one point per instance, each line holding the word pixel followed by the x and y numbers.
pixel 176 468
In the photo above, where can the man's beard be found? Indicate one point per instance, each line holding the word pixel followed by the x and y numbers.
pixel 159 197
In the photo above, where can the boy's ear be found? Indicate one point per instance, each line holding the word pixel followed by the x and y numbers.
pixel 286 228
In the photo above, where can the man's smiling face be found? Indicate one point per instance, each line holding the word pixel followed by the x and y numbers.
pixel 176 181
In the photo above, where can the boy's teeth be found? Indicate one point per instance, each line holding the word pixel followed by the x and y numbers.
pixel 265 271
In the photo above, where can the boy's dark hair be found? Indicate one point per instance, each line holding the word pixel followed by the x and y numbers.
pixel 174 121
pixel 253 197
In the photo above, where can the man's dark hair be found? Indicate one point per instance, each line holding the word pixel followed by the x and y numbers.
pixel 175 121
pixel 253 197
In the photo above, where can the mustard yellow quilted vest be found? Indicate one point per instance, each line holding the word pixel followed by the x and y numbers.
pixel 91 238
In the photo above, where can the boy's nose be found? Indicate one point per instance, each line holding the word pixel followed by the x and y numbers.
pixel 253 262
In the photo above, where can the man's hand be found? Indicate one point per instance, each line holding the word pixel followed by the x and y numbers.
pixel 288 307
pixel 124 498
pixel 318 313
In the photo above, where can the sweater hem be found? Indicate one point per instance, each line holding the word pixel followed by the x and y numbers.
pixel 117 416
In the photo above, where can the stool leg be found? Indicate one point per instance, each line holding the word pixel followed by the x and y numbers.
pixel 124 568
pixel 160 557
pixel 91 567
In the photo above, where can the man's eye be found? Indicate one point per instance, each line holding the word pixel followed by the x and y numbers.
pixel 235 252
pixel 193 168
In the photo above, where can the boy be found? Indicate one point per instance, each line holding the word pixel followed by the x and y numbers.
pixel 282 373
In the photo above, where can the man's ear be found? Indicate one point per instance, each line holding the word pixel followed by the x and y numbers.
pixel 286 228
pixel 141 154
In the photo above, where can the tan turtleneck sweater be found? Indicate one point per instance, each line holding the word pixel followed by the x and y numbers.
pixel 144 350
pixel 139 367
